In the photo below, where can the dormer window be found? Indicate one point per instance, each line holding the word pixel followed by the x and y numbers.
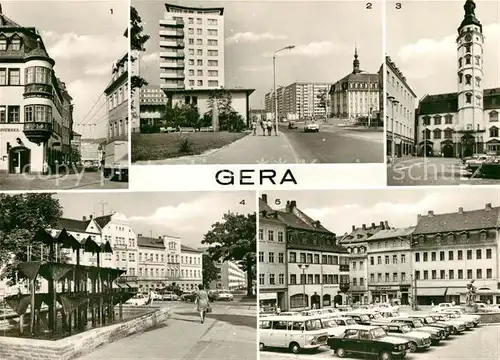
pixel 450 237
pixel 16 44
pixel 3 44
pixel 463 236
pixel 483 235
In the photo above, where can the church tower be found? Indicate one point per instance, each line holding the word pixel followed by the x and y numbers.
pixel 355 63
pixel 470 77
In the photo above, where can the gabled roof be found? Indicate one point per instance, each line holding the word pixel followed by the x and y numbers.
pixel 102 221
pixel 392 233
pixel 459 221
pixel 358 234
pixel 73 225
pixel 294 221
pixel 190 249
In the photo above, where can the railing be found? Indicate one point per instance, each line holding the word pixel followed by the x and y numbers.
pixel 39 126
pixel 37 89
pixel 175 65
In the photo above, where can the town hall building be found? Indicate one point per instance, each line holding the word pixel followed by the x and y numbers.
pixel 466 122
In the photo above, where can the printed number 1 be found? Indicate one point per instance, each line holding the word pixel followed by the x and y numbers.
pixel 398 6
pixel 369 6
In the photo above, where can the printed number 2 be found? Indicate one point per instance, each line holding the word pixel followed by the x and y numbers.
pixel 398 6
pixel 369 6
pixel 242 202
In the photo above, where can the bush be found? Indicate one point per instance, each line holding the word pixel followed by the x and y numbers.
pixel 150 129
pixel 185 147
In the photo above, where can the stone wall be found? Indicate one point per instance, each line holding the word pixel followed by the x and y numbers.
pixel 80 344
pixel 489 318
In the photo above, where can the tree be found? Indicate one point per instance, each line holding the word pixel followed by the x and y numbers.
pixel 322 100
pixel 210 271
pixel 21 216
pixel 234 239
pixel 222 99
pixel 186 115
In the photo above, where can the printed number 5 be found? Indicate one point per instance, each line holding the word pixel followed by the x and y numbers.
pixel 398 6
pixel 369 6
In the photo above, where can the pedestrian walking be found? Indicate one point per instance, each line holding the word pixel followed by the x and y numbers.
pixel 254 127
pixel 269 127
pixel 202 304
pixel 263 127
pixel 275 129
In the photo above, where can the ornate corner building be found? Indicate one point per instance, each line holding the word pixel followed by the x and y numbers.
pixel 35 108
pixel 465 122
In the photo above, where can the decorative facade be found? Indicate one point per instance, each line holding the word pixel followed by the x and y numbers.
pixel 117 101
pixel 35 107
pixel 191 266
pixel 466 122
pixel 357 95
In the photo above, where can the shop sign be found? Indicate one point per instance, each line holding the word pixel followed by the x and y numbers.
pixel 10 129
pixel 381 288
pixel 330 286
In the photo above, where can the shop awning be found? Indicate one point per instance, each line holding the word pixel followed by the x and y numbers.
pixel 119 286
pixel 433 292
pixel 133 285
pixel 268 296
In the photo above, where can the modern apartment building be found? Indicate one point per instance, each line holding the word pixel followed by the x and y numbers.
pixel 450 250
pixel 35 107
pixel 400 112
pixel 273 274
pixel 152 103
pixel 192 48
pixel 231 277
pixel 356 95
pixel 389 266
pixel 302 99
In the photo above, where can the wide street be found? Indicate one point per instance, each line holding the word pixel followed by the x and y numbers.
pixel 88 180
pixel 229 332
pixel 332 144
pixel 480 343
pixel 431 171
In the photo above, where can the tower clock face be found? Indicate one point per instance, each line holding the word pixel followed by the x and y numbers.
pixel 468 37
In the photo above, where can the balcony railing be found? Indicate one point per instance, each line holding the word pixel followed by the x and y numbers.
pixel 344 267
pixel 172 75
pixel 172 33
pixel 172 86
pixel 172 22
pixel 178 54
pixel 38 90
pixel 172 44
pixel 172 65
pixel 37 132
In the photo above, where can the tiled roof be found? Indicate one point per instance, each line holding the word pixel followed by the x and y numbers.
pixel 447 103
pixel 143 241
pixel 71 225
pixel 190 249
pixel 102 221
pixel 392 233
pixel 264 206
pixel 361 235
pixel 452 222
pixel 294 221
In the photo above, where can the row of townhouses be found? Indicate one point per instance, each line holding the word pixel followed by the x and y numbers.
pixel 432 261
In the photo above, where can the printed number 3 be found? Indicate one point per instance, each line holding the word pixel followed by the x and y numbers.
pixel 398 6
pixel 369 6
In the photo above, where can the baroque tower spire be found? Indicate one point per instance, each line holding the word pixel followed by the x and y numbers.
pixel 355 63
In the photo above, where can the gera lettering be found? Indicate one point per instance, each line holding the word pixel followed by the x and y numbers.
pixel 254 177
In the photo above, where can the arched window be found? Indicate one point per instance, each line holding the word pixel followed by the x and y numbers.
pixel 426 134
pixel 437 119
pixel 478 81
pixel 426 120
pixel 467 59
pixel 448 133
pixel 468 47
pixel 494 131
pixel 459 62
pixel 437 134
pixel 478 60
pixel 468 77
pixel 468 98
pixel 460 76
pixel 327 300
pixel 493 116
pixel 448 119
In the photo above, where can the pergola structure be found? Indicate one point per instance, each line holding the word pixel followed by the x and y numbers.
pixel 75 301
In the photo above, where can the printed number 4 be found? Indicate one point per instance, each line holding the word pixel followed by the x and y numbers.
pixel 242 202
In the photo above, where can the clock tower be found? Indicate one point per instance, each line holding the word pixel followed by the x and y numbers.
pixel 470 41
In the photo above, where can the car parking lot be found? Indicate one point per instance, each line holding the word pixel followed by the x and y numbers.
pixel 482 342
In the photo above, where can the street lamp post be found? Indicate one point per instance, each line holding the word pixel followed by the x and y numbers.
pixel 304 267
pixel 289 47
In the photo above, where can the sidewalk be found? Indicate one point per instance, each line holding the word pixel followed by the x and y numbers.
pixel 182 337
pixel 251 149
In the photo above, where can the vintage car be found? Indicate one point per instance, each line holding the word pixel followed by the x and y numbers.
pixel 458 325
pixel 472 165
pixel 138 300
pixel 292 125
pixel 427 320
pixel 311 126
pixel 467 317
pixel 225 296
pixel 188 296
pixel 359 317
pixel 441 306
pixel 418 340
pixel 469 323
pixel 368 340
pixel 436 334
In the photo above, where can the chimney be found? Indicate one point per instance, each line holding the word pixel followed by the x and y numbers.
pixel 84 218
pixel 264 198
pixel 139 234
pixel 363 227
pixel 159 237
pixel 293 204
pixel 353 227
pixel 430 213
pixel 382 225
pixel 488 207
pixel 387 225
pixel 91 217
pixel 373 225
pixel 460 210
pixel 317 223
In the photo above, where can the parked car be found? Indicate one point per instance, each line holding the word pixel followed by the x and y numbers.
pixel 463 314
pixel 170 296
pixel 188 296
pixel 368 340
pixel 138 300
pixel 345 321
pixel 225 296
pixel 156 296
pixel 436 334
pixel 472 165
pixel 311 126
pixel 441 306
pixel 429 321
pixel 213 295
pixel 292 125
pixel 418 340
pixel 469 324
pixel 360 318
pixel 289 313
pixel 458 325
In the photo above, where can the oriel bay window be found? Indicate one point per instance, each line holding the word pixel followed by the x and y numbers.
pixel 37 75
pixel 38 114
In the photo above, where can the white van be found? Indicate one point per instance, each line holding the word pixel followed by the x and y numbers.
pixel 293 332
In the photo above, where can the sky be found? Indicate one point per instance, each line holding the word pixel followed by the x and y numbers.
pixel 323 33
pixel 426 51
pixel 185 214
pixel 338 210
pixel 84 39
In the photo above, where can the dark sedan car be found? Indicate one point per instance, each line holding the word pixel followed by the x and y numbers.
pixel 292 125
pixel 368 340
pixel 429 321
